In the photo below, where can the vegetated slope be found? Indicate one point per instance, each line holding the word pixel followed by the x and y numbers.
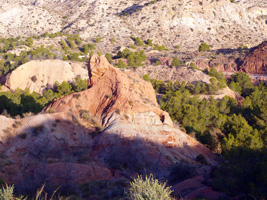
pixel 111 131
pixel 40 75
pixel 186 23
pixel 187 75
pixel 256 61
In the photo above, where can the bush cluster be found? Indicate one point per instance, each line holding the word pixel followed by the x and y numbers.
pixel 135 58
pixel 23 101
pixel 204 47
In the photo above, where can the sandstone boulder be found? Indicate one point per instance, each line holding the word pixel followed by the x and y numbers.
pixel 40 75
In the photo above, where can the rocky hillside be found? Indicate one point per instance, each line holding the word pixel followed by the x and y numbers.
pixel 112 131
pixel 185 23
pixel 180 74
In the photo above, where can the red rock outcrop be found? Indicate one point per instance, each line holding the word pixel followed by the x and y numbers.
pixel 224 64
pixel 166 61
pixel 256 61
pixel 202 64
pixel 113 130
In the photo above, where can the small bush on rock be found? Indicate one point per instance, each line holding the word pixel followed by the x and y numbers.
pixel 148 188
pixel 175 62
pixel 204 47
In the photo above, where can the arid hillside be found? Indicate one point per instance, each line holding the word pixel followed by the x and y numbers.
pixel 185 23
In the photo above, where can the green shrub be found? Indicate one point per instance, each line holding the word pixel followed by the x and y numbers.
pixel 97 39
pixel 112 40
pixel 175 62
pixel 148 189
pixel 70 40
pixel 204 47
pixel 132 46
pixel 109 57
pixel 137 41
pixel 146 77
pixel 121 64
pixel 235 87
pixel 80 84
pixel 160 47
pixel 149 42
pixel 88 47
pixel 29 42
pixel 244 81
pixel 243 47
pixel 177 47
pixel 135 59
pixel 193 66
pixel 157 62
pixel 64 45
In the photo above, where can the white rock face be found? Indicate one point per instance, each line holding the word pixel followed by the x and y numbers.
pixel 221 24
pixel 46 73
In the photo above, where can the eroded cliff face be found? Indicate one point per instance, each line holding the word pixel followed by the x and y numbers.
pixel 112 131
pixel 256 61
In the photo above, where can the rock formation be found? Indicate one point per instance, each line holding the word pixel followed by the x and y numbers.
pixel 40 75
pixel 112 131
pixel 256 61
